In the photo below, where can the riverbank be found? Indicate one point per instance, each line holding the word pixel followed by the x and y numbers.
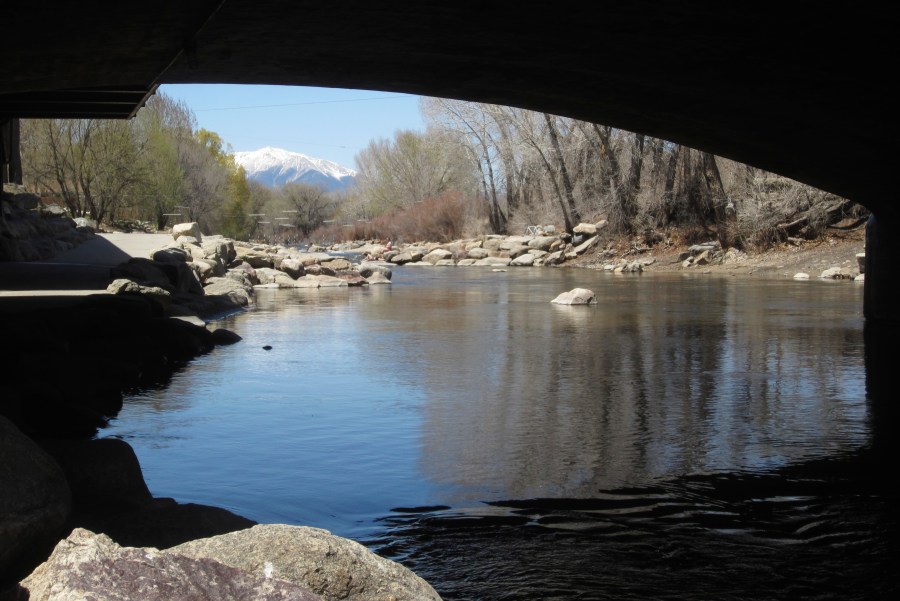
pixel 838 249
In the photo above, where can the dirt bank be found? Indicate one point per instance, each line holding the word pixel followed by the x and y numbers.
pixel 837 249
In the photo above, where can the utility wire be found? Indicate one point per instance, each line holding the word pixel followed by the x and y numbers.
pixel 269 106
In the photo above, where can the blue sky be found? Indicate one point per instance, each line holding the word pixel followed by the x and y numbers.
pixel 326 123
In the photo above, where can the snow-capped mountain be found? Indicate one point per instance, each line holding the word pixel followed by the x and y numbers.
pixel 275 167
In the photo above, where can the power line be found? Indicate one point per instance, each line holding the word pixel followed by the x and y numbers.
pixel 269 106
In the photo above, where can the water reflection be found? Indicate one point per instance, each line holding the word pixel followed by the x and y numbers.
pixel 660 378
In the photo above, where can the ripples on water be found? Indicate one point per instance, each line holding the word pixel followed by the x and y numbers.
pixel 686 438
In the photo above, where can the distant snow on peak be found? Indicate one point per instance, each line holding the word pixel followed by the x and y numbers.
pixel 276 167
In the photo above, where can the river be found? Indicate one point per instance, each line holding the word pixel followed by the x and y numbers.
pixel 687 437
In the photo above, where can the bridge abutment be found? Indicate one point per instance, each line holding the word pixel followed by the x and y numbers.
pixel 881 301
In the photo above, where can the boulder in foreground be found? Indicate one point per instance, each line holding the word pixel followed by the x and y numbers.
pixel 576 296
pixel 333 567
pixel 91 566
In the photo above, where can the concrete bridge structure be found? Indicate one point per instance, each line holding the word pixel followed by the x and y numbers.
pixel 798 88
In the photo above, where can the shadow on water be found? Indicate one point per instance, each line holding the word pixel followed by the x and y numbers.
pixel 826 529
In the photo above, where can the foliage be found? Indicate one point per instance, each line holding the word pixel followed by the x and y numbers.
pixel 437 219
pixel 154 167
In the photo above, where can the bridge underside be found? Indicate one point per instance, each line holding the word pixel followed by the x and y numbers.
pixel 794 88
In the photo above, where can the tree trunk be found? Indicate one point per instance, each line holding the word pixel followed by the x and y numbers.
pixel 723 208
pixel 669 185
pixel 564 173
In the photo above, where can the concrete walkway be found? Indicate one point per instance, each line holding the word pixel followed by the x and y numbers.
pixel 82 270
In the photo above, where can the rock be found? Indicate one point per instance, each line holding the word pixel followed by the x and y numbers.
pixel 307 281
pixel 123 286
pixel 102 474
pixel 407 256
pixel 336 264
pixel 255 259
pixel 293 267
pixel 34 500
pixel 328 281
pixel 835 273
pixel 91 566
pixel 311 258
pixel 83 222
pixel 517 250
pixel 477 253
pixel 377 277
pixel 586 229
pixel 801 276
pixel 576 296
pixel 222 336
pixel 584 246
pixel 146 272
pixel 267 275
pixel 860 278
pixel 465 262
pixel 232 290
pixel 316 269
pixel 191 241
pixel 861 262
pixel 492 262
pixel 333 567
pixel 353 279
pixel 702 258
pixel 525 260
pixel 170 255
pixel 445 263
pixel 205 269
pixel 438 254
pixel 554 258
pixel 191 229
pixel 542 242
pixel 367 269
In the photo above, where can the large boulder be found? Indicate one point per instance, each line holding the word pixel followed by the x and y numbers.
pixel 34 499
pixel 477 253
pixel 586 229
pixel 542 242
pixel 523 260
pixel 232 290
pixel 102 474
pixel 293 267
pixel 367 269
pixel 407 256
pixel 584 246
pixel 123 286
pixel 438 254
pixel 333 567
pixel 576 296
pixel 191 230
pixel 91 566
pixel 337 264
pixel 377 277
pixel 255 258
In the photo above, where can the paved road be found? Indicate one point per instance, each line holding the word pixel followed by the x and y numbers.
pixel 82 270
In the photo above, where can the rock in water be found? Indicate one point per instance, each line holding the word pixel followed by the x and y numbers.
pixel 333 567
pixel 576 296
pixel 91 566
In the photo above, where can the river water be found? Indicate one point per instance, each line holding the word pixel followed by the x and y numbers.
pixel 687 437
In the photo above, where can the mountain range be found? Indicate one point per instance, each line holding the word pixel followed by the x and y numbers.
pixel 276 167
